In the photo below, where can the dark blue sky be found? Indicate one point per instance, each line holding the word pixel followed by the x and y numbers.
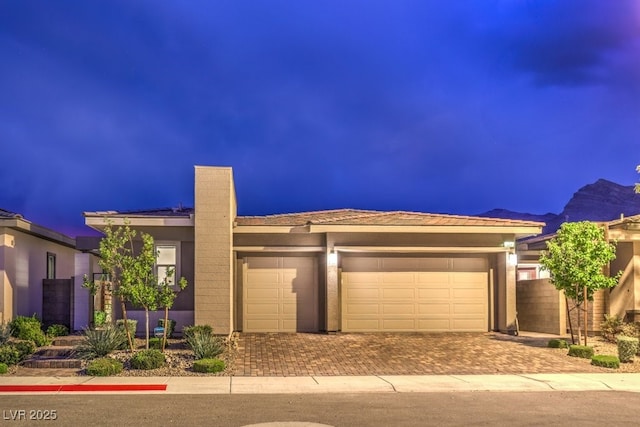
pixel 426 105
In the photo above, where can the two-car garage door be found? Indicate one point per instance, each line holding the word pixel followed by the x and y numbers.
pixel 414 294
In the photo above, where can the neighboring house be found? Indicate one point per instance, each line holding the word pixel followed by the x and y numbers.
pixel 39 273
pixel 338 270
pixel 542 308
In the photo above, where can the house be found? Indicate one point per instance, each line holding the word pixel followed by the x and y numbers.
pixel 542 308
pixel 338 270
pixel 39 273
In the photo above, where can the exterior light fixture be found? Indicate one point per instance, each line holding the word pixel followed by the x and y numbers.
pixel 509 244
pixel 332 258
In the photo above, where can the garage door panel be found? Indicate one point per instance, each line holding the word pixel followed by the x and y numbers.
pixel 266 325
pixel 434 308
pixel 360 309
pixel 398 294
pixel 362 293
pixel 434 324
pixel 398 324
pixel 263 294
pixel 263 310
pixel 398 309
pixel 438 293
pixel 410 296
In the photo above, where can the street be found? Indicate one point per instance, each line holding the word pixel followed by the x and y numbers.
pixel 362 409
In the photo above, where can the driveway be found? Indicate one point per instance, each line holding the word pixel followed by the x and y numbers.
pixel 400 354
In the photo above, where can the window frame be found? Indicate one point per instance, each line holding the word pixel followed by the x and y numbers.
pixel 176 265
pixel 51 266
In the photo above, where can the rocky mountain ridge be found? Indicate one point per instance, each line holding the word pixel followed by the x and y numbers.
pixel 601 201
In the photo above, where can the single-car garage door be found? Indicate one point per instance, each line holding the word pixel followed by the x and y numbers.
pixel 414 294
pixel 280 294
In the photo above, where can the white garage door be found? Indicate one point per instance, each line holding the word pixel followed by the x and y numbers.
pixel 414 294
pixel 280 294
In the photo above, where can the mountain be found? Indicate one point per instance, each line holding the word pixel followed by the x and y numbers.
pixel 601 201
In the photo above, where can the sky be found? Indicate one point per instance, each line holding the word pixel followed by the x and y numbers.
pixel 419 105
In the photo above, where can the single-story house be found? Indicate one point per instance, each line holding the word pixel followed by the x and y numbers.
pixel 41 273
pixel 542 308
pixel 338 270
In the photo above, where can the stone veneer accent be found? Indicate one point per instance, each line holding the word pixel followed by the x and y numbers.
pixel 215 211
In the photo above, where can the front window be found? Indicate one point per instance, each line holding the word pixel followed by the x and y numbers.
pixel 167 262
pixel 51 265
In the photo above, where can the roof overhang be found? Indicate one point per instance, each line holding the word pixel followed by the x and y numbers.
pixel 39 231
pixel 99 222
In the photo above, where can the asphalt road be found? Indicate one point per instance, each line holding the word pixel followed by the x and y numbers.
pixel 363 409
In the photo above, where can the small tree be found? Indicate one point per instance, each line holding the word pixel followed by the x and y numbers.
pixel 576 258
pixel 166 296
pixel 139 283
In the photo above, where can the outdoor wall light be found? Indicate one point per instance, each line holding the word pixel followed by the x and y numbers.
pixel 332 258
pixel 510 244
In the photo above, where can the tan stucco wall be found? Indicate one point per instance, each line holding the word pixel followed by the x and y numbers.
pixel 215 211
pixel 541 307
pixel 24 266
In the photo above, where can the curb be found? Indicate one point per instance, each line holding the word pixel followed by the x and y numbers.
pixel 82 388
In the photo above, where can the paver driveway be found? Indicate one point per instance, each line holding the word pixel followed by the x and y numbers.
pixel 299 354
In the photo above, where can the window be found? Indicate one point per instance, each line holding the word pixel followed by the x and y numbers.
pixel 51 265
pixel 166 261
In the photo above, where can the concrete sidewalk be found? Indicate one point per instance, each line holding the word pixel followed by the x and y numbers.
pixel 321 384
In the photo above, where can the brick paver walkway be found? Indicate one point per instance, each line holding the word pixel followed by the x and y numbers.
pixel 400 354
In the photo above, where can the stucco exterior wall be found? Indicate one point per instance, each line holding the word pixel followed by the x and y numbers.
pixel 541 308
pixel 24 266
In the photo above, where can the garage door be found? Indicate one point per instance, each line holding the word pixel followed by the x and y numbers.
pixel 280 294
pixel 414 294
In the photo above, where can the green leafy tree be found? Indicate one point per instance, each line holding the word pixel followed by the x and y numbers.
pixel 166 296
pixel 139 283
pixel 576 259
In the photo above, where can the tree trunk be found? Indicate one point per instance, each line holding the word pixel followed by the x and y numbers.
pixel 164 333
pixel 586 314
pixel 146 321
pixel 126 324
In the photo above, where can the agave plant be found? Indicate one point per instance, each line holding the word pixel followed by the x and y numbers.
pixel 100 342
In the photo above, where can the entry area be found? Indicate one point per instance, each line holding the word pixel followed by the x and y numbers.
pixel 415 294
pixel 280 294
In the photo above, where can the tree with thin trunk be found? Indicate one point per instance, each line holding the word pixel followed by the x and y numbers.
pixel 139 281
pixel 576 259
pixel 166 296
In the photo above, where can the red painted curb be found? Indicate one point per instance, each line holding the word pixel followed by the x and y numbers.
pixel 82 387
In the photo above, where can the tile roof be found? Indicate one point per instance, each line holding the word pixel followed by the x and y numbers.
pixel 8 214
pixel 338 217
pixel 368 217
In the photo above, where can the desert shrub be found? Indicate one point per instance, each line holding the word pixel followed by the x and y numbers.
pixel 3 368
pixel 9 355
pixel 171 326
pixel 155 343
pixel 606 361
pixel 29 328
pixel 104 367
pixel 147 359
pixel 209 365
pixel 5 333
pixel 627 348
pixel 629 330
pixel 24 347
pixel 610 327
pixel 204 344
pixel 100 342
pixel 132 324
pixel 99 318
pixel 557 343
pixel 57 331
pixel 583 351
pixel 188 331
